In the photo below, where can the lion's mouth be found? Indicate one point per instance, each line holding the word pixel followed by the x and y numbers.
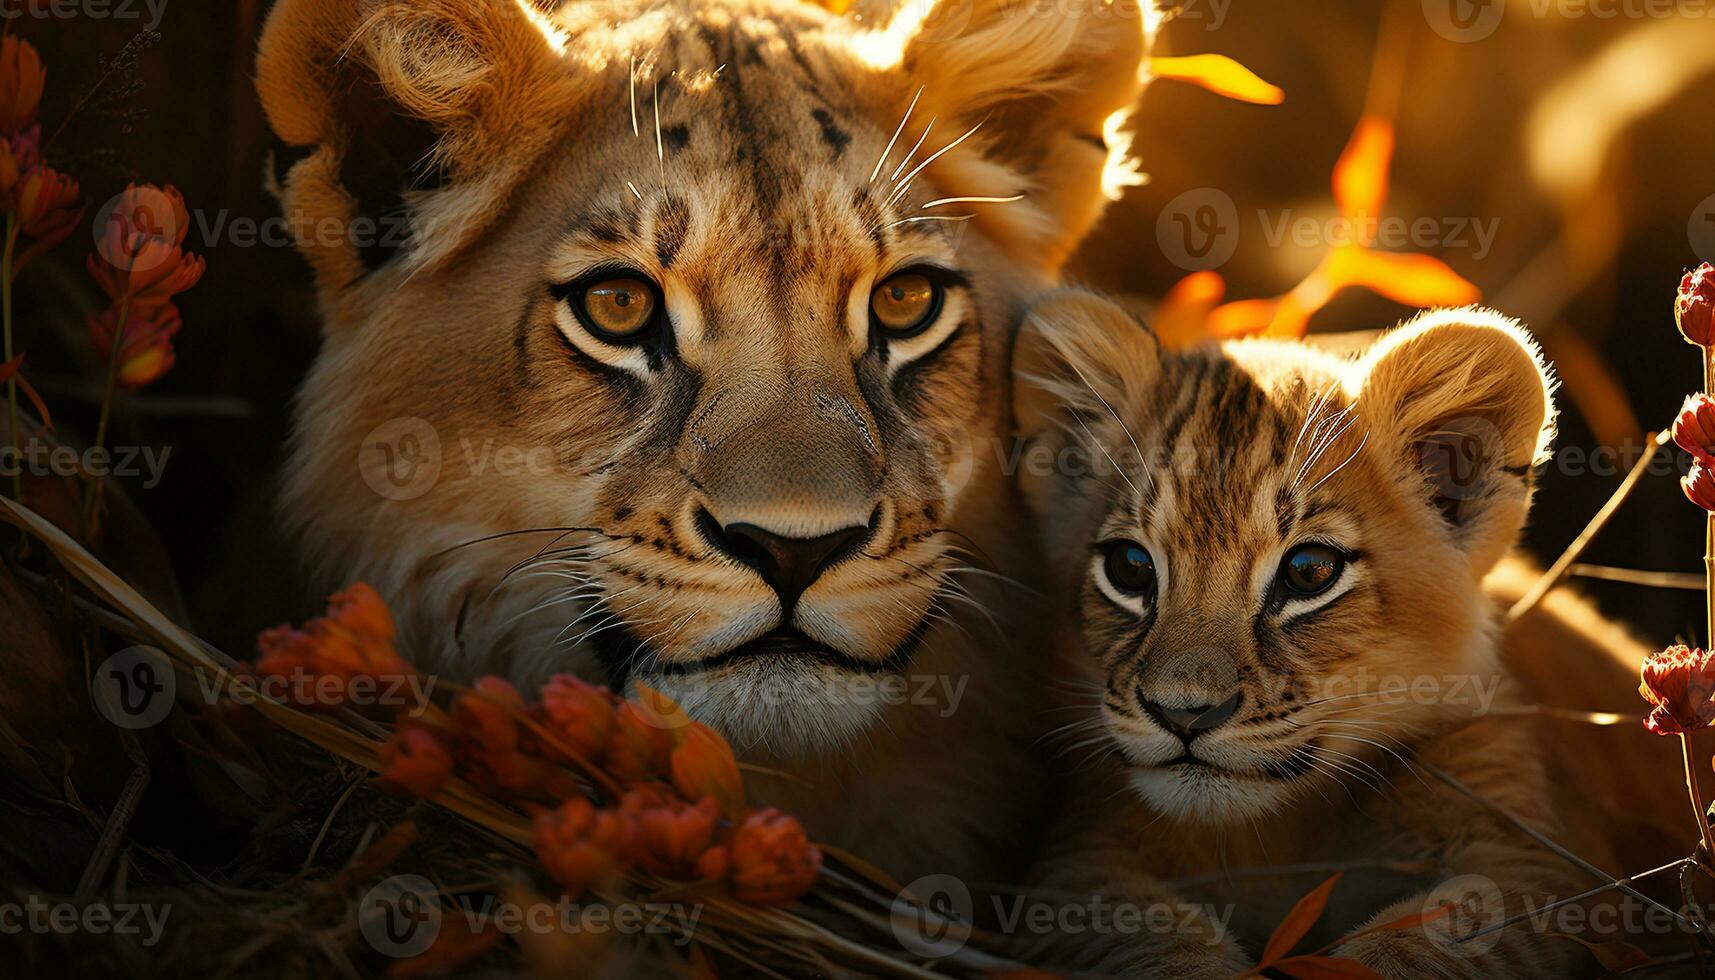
pixel 784 647
pixel 1293 766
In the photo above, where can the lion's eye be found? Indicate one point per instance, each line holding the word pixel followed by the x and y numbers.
pixel 618 309
pixel 1129 568
pixel 905 304
pixel 1311 569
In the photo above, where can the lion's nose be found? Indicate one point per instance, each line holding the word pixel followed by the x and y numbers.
pixel 788 564
pixel 1190 721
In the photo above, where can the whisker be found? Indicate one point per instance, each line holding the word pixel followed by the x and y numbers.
pixel 885 153
pixel 971 200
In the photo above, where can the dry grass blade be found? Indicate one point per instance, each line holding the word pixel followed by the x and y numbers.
pixel 1563 565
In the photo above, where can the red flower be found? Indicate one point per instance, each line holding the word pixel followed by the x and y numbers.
pixel 771 860
pixel 146 353
pixel 579 713
pixel 47 206
pixel 638 750
pixel 138 257
pixel 1694 429
pixel 21 79
pixel 415 763
pixel 582 846
pixel 703 766
pixel 673 835
pixel 1694 307
pixel 1699 485
pixel 1680 683
pixel 17 157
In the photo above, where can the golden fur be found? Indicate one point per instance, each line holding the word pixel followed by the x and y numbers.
pixel 1414 461
pixel 767 163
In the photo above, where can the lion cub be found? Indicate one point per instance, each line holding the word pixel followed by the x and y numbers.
pixel 1274 560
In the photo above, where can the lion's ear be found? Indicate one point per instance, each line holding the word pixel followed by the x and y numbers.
pixel 1079 354
pixel 405 123
pixel 1043 80
pixel 1459 403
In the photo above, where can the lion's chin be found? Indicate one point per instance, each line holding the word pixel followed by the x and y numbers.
pixel 788 704
pixel 1203 794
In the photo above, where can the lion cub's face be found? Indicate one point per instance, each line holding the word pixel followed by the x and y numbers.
pixel 1276 555
pixel 677 375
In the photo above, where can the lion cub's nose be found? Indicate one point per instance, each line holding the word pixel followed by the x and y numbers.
pixel 789 565
pixel 1193 720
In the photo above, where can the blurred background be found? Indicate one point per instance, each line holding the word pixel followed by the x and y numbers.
pixel 1556 155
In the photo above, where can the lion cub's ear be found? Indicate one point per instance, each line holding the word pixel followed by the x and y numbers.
pixel 1079 353
pixel 404 122
pixel 1041 79
pixel 1459 401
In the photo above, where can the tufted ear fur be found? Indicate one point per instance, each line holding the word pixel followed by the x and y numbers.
pixel 1459 401
pixel 1078 352
pixel 401 119
pixel 1043 80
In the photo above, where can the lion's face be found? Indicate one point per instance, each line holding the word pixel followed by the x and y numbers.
pixel 1278 573
pixel 700 398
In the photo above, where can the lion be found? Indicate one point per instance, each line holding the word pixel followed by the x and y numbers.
pixel 665 344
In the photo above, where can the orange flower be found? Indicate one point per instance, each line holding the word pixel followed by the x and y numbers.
pixel 580 713
pixel 415 763
pixel 1694 429
pixel 47 205
pixel 354 639
pixel 703 766
pixel 488 714
pixel 21 79
pixel 672 835
pixel 581 846
pixel 1694 307
pixel 772 862
pixel 138 256
pixel 146 353
pixel 1680 682
pixel 638 749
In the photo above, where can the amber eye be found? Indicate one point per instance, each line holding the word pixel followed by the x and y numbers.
pixel 1311 569
pixel 618 309
pixel 905 304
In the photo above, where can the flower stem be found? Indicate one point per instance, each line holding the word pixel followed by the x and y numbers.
pixel 1696 794
pixel 92 504
pixel 6 328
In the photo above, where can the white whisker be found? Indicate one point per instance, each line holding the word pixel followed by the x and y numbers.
pixel 884 153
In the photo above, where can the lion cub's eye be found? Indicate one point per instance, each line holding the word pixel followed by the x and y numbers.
pixel 617 309
pixel 905 304
pixel 1129 568
pixel 1311 569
